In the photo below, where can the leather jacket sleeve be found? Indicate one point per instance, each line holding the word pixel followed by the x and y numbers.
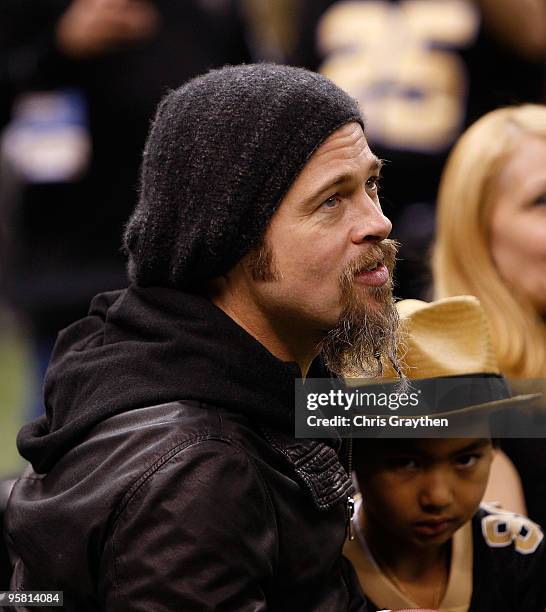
pixel 185 539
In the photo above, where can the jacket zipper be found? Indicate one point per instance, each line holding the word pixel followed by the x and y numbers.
pixel 350 514
pixel 350 507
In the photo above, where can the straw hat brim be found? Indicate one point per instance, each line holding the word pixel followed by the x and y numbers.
pixel 487 407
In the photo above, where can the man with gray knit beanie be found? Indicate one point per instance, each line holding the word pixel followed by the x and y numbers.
pixel 165 474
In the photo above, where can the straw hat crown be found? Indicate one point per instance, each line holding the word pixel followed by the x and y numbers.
pixel 448 337
pixel 441 343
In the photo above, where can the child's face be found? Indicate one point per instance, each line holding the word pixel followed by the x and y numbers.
pixel 420 492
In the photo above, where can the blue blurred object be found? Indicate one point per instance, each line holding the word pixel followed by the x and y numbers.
pixel 47 140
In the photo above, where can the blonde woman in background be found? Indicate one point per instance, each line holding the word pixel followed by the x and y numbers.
pixel 491 243
pixel 491 232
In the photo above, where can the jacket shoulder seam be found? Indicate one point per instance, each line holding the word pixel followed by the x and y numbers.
pixel 160 462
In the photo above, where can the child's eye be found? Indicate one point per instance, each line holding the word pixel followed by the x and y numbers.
pixel 468 461
pixel 402 463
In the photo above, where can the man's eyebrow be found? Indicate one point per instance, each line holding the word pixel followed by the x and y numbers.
pixel 338 179
pixel 375 166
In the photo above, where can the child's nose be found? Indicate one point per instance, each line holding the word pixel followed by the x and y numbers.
pixel 436 492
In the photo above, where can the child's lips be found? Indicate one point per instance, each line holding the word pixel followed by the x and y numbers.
pixel 433 527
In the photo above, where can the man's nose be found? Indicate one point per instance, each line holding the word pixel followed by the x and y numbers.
pixel 371 225
pixel 435 491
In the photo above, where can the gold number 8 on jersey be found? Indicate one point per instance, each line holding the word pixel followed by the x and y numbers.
pixel 503 529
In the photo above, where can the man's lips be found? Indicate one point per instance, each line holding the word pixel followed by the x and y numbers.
pixel 374 278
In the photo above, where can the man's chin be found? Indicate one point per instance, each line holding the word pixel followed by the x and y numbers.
pixel 369 300
pixel 366 299
pixel 363 307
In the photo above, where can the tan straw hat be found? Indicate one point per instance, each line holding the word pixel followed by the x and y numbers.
pixel 449 339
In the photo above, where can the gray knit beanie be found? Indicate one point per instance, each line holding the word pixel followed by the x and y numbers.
pixel 222 152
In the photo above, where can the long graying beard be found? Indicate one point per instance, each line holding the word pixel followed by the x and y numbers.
pixel 365 335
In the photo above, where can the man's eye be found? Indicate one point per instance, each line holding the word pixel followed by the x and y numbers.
pixel 373 183
pixel 540 201
pixel 331 202
pixel 468 461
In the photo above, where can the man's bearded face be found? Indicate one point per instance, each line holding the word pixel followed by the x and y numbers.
pixel 365 334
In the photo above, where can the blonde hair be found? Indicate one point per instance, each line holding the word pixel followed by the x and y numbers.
pixel 462 262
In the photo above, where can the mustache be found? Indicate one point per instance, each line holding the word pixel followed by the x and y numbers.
pixel 383 252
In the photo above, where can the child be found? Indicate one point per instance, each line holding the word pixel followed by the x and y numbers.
pixel 422 538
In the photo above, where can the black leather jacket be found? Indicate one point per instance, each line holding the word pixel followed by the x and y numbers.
pixel 183 505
